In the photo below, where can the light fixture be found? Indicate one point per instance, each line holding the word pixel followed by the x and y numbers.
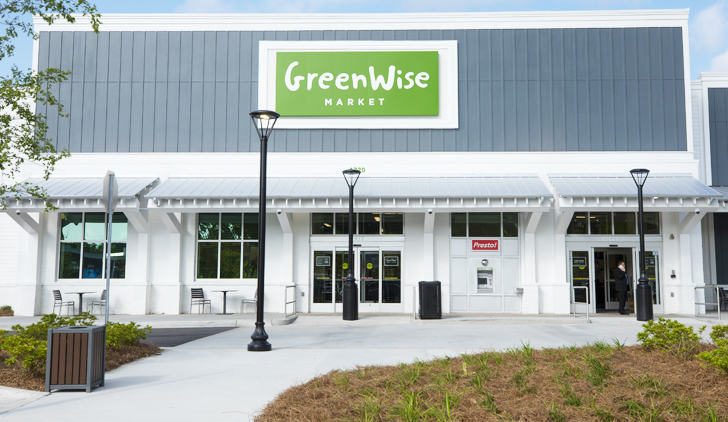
pixel 639 176
pixel 264 120
pixel 327 224
pixel 351 176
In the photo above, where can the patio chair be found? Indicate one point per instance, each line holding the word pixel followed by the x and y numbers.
pixel 253 301
pixel 722 297
pixel 58 301
pixel 198 298
pixel 101 302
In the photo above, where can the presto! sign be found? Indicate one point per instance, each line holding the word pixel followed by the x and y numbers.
pixel 357 83
pixel 484 245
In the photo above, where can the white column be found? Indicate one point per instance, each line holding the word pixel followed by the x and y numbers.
pixel 171 280
pixel 428 246
pixel 529 300
pixel 139 262
pixel 28 287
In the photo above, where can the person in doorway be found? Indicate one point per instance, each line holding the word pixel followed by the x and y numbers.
pixel 622 284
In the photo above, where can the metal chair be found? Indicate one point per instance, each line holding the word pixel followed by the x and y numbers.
pixel 101 302
pixel 58 301
pixel 198 298
pixel 722 297
pixel 253 301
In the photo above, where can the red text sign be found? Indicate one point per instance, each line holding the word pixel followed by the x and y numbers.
pixel 484 245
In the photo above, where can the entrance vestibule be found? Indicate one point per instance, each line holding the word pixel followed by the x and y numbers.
pixel 594 267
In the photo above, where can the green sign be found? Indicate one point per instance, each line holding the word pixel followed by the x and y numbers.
pixel 361 83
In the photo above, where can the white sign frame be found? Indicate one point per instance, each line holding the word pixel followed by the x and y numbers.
pixel 448 85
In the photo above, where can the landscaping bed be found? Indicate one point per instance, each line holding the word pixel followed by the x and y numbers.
pixel 603 381
pixel 24 351
pixel 13 375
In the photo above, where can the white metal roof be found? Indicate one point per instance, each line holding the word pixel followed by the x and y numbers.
pixel 623 186
pixel 723 190
pixel 367 187
pixel 89 187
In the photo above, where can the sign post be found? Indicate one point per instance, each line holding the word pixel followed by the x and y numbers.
pixel 110 193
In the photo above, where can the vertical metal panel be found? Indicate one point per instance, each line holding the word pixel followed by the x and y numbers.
pixel 172 122
pixel 720 224
pixel 718 120
pixel 87 119
pixel 520 90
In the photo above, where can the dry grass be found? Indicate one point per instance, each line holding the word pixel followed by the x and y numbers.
pixel 13 375
pixel 600 382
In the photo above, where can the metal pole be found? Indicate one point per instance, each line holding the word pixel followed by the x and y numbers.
pixel 644 290
pixel 351 300
pixel 109 220
pixel 259 337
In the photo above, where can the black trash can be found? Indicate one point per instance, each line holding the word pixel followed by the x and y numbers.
pixel 75 358
pixel 430 300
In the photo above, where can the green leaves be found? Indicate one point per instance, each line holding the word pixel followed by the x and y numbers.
pixel 118 334
pixel 23 132
pixel 672 337
pixel 718 357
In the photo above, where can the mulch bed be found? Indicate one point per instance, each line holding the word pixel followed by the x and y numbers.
pixel 544 385
pixel 12 375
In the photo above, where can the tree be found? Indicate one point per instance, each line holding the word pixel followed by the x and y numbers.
pixel 23 133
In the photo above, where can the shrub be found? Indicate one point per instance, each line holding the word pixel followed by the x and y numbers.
pixel 6 308
pixel 118 334
pixel 718 357
pixel 671 337
pixel 28 345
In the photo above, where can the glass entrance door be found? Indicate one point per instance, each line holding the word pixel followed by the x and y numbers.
pixel 378 274
pixel 579 276
pixel 652 270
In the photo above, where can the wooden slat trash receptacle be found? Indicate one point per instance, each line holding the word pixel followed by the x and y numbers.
pixel 75 358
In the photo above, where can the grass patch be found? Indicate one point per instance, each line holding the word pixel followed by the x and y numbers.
pixel 603 381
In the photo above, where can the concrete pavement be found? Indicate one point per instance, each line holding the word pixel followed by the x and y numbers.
pixel 218 379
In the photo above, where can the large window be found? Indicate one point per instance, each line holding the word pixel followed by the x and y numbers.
pixel 484 224
pixel 227 245
pixel 83 245
pixel 364 223
pixel 608 223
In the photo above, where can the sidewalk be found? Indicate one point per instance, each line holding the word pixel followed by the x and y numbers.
pixel 228 383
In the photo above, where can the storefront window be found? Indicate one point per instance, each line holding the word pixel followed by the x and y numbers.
pixel 600 222
pixel 369 223
pixel 510 224
pixel 458 224
pixel 392 223
pixel 579 224
pixel 322 223
pixel 651 222
pixel 224 246
pixel 83 245
pixel 364 223
pixel 484 224
pixel 625 223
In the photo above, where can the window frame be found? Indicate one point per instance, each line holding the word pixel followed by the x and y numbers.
pixel 82 240
pixel 356 224
pixel 636 216
pixel 502 228
pixel 219 241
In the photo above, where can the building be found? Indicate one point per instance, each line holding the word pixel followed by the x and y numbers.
pixel 495 151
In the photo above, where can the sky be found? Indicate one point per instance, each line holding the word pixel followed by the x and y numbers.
pixel 708 18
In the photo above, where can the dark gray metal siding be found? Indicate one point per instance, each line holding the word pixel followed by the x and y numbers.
pixel 720 224
pixel 519 90
pixel 718 121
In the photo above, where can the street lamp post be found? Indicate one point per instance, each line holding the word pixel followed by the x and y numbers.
pixel 263 120
pixel 643 301
pixel 351 298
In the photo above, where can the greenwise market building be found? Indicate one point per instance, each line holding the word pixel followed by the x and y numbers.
pixel 495 151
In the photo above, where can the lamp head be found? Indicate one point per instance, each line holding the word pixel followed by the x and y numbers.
pixel 264 120
pixel 639 176
pixel 351 176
